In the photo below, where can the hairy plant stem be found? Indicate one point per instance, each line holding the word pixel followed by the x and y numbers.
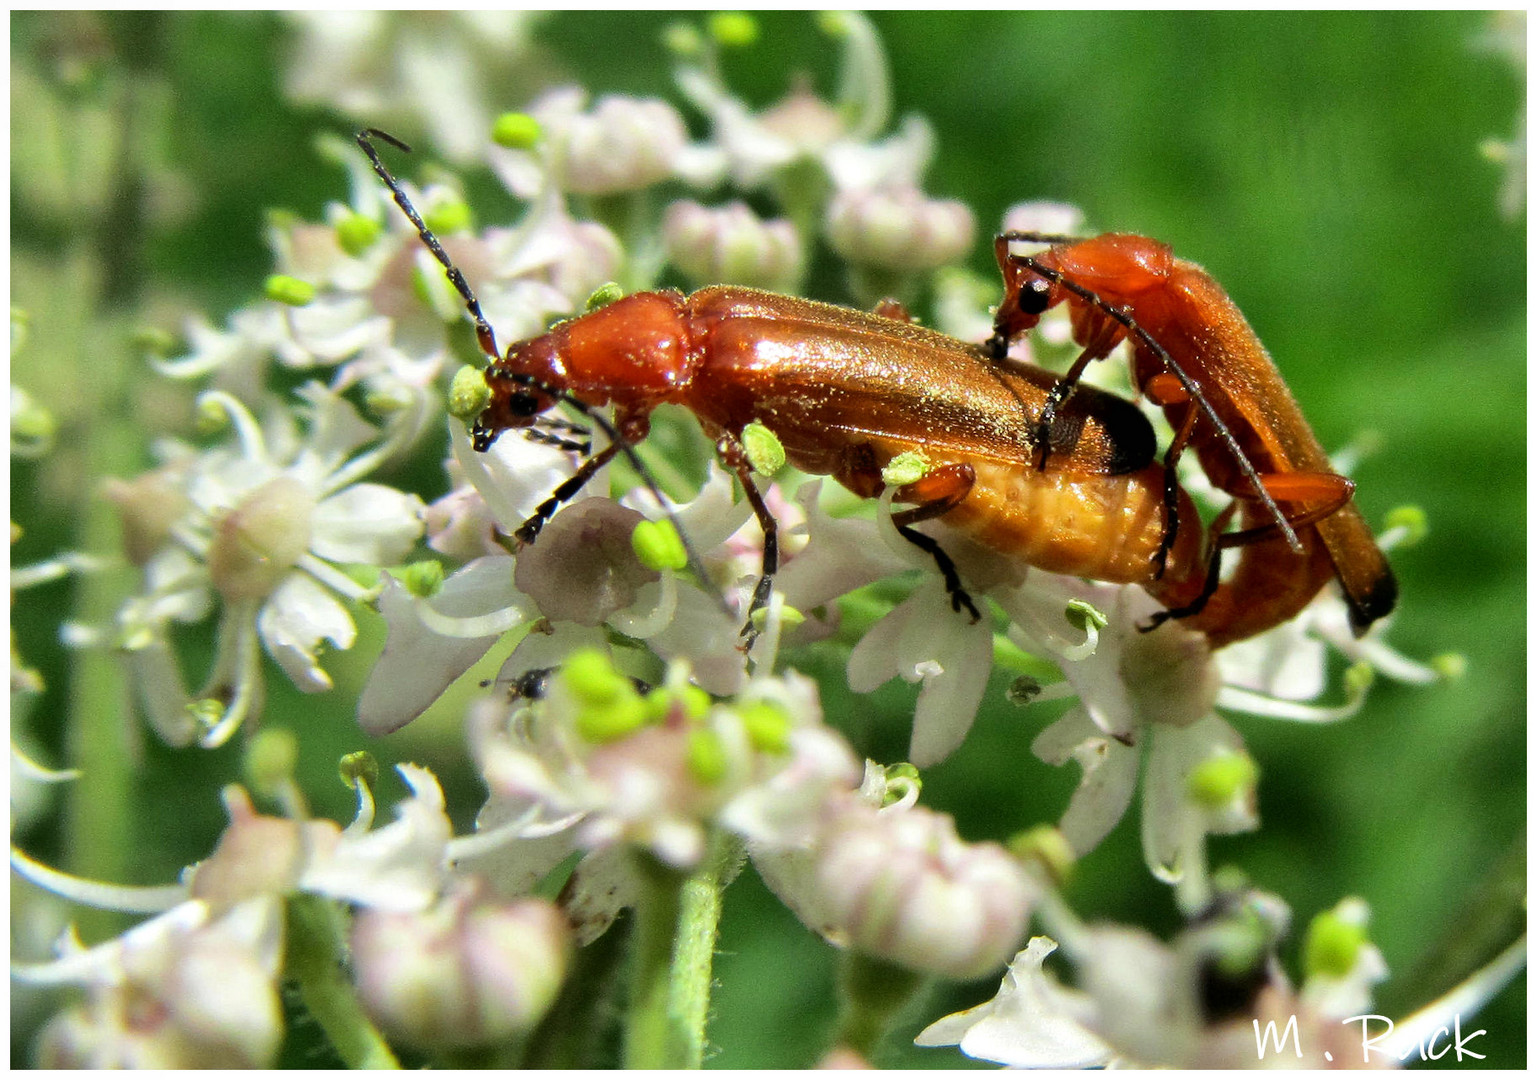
pixel 312 948
pixel 672 954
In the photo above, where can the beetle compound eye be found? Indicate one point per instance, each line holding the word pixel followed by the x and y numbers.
pixel 522 403
pixel 1034 295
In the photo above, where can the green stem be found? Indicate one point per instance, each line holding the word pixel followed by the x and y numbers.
pixel 672 956
pixel 652 1038
pixel 694 956
pixel 872 993
pixel 313 949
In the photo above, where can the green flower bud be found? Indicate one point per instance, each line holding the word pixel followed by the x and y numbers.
pixel 356 233
pixel 289 290
pixel 1047 847
pixel 605 295
pixel 1218 780
pixel 449 216
pixel 1335 939
pixel 1414 522
pixel 423 578
pixel 271 758
pixel 733 28
pixel 658 546
pixel 906 468
pixel 706 756
pixel 767 725
pixel 469 395
pixel 516 131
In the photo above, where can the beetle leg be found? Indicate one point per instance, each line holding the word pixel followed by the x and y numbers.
pixel 529 530
pixel 935 495
pixel 1055 399
pixel 1220 542
pixel 550 438
pixel 1290 486
pixel 735 458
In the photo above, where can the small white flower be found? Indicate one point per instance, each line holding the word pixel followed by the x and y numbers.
pixel 194 988
pixel 620 144
pixel 898 229
pixel 399 867
pixel 435 66
pixel 601 772
pixel 263 526
pixel 433 640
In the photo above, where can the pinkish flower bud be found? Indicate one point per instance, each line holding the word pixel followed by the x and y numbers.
pixel 257 542
pixel 148 505
pixel 901 885
pixel 464 973
pixel 732 244
pixel 898 229
pixel 621 144
pixel 583 569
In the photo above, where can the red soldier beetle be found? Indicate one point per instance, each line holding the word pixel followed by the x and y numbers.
pixel 1195 355
pixel 845 392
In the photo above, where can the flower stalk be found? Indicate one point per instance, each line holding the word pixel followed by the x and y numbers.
pixel 312 944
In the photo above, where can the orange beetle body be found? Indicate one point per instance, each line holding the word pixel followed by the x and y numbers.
pixel 1177 307
pixel 845 392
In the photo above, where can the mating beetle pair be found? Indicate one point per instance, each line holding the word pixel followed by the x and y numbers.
pixel 1032 465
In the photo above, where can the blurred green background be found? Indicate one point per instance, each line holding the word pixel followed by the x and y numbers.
pixel 1326 168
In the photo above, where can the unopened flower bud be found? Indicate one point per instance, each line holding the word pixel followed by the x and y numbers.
pixel 147 507
pixel 765 453
pixel 32 426
pixel 289 290
pixel 622 144
pixel 448 216
pixel 468 395
pixel 658 546
pixel 257 542
pixel 734 29
pixel 732 244
pixel 904 887
pixel 898 229
pixel 463 974
pixel 1335 938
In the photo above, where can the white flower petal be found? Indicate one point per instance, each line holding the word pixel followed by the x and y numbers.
pixel 1109 777
pixel 366 523
pixel 293 622
pixel 399 867
pixel 418 663
pixel 1033 1022
pixel 1171 820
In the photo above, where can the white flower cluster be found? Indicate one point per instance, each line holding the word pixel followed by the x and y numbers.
pixel 273 528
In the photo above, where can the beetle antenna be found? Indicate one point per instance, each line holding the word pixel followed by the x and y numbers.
pixel 487 338
pixel 483 329
pixel 1245 466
